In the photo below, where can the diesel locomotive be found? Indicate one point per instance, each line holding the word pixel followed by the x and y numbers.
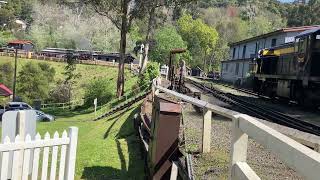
pixel 291 71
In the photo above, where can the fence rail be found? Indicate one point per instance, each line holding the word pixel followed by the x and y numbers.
pixel 58 59
pixel 297 156
pixel 25 153
pixel 71 104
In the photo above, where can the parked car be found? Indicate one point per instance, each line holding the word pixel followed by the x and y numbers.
pixel 1 112
pixel 15 106
pixel 41 116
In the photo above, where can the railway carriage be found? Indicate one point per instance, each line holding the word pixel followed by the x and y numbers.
pixel 292 70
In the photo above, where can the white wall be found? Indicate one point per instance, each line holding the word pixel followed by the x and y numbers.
pixel 228 70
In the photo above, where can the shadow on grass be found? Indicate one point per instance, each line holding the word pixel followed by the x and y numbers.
pixel 115 120
pixel 134 168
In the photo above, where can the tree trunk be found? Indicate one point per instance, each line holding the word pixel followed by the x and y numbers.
pixel 204 62
pixel 123 43
pixel 148 37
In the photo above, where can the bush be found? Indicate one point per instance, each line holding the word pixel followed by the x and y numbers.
pixel 61 93
pixel 102 89
pixel 6 74
pixel 34 82
pixel 152 71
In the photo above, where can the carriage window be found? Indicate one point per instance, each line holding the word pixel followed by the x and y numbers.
pixel 318 37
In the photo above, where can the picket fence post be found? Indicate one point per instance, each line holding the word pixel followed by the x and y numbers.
pixel 71 153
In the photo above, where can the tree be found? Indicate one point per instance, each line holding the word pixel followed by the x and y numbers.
pixel 121 13
pixel 201 38
pixel 61 93
pixel 6 74
pixel 101 89
pixel 5 37
pixel 33 82
pixel 150 7
pixel 303 15
pixel 167 38
pixel 152 71
pixel 81 28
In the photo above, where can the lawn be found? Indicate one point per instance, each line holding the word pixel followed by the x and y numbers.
pixel 107 149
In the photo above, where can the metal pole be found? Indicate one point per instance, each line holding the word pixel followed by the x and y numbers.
pixel 15 75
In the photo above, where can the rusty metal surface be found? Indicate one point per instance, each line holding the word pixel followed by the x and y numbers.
pixel 170 107
pixel 165 133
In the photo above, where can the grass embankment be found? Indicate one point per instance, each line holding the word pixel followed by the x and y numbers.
pixel 107 149
pixel 86 72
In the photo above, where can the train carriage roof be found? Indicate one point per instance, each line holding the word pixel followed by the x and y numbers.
pixel 308 32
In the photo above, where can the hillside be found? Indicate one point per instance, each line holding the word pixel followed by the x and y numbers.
pixel 87 74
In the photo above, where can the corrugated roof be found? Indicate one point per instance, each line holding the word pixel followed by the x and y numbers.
pixel 310 31
pixel 4 91
pixel 290 29
pixel 20 42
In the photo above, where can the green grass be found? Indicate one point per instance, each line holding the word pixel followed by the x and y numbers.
pixel 87 74
pixel 107 149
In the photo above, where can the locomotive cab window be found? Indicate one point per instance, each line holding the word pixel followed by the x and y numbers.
pixel 302 45
pixel 296 45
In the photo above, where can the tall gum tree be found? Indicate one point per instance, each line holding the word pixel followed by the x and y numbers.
pixel 151 7
pixel 121 13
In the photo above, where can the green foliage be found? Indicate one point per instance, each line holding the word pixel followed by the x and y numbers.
pixel 15 9
pixel 167 38
pixel 70 70
pixel 201 38
pixel 34 82
pixel 102 89
pixel 6 74
pixel 152 71
pixel 303 15
pixel 47 70
pixel 61 93
pixel 5 36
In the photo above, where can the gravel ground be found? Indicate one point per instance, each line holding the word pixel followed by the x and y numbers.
pixel 215 165
pixel 291 109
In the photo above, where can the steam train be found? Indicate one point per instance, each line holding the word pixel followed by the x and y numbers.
pixel 292 70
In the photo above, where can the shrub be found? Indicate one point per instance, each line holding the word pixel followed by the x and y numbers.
pixel 61 93
pixel 152 71
pixel 34 82
pixel 6 74
pixel 102 89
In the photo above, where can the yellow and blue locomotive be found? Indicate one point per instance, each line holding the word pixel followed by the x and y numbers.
pixel 291 70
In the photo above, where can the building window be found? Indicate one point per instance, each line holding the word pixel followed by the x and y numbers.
pixel 237 69
pixel 244 51
pixel 234 53
pixel 273 42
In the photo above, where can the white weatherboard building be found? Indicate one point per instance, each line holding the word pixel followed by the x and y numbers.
pixel 243 53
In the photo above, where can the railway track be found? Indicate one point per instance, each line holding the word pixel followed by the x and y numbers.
pixel 235 88
pixel 260 111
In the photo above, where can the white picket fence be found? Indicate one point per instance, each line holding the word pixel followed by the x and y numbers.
pixel 25 153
